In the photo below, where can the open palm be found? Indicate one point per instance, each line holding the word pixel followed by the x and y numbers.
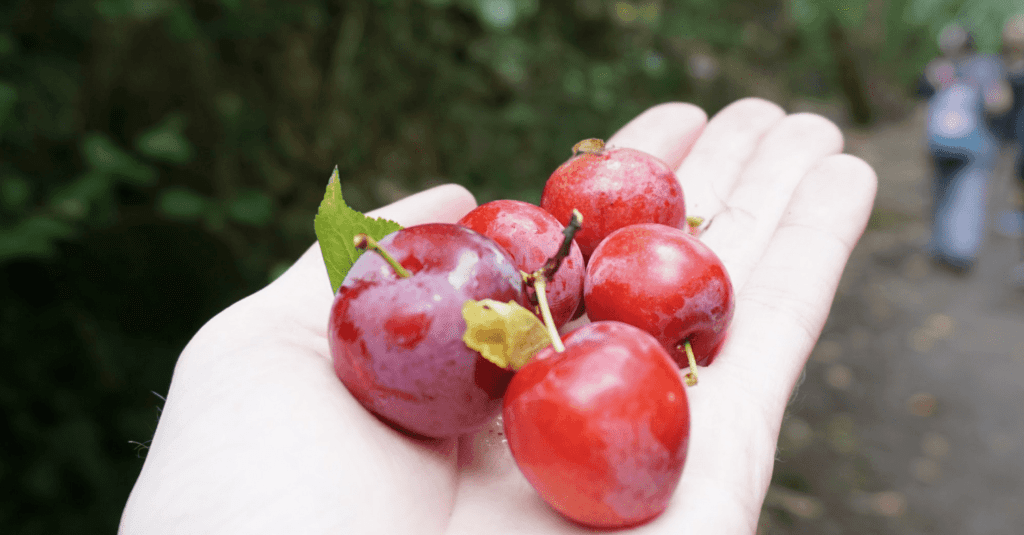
pixel 259 436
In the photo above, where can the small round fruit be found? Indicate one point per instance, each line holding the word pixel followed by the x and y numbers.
pixel 531 236
pixel 666 282
pixel 601 429
pixel 397 342
pixel 612 188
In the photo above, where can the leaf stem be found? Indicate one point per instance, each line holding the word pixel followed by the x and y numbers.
pixel 362 241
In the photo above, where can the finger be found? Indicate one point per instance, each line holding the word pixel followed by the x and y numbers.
pixel 737 409
pixel 742 230
pixel 781 310
pixel 441 204
pixel 304 291
pixel 710 171
pixel 666 131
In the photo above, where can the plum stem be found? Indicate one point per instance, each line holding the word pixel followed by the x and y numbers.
pixel 539 279
pixel 362 241
pixel 691 377
pixel 551 266
pixel 540 286
pixel 588 146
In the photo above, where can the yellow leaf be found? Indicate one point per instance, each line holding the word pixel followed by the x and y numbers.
pixel 506 334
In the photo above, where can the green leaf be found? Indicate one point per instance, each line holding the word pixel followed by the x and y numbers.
pixel 8 97
pixel 34 237
pixel 498 14
pixel 336 225
pixel 15 192
pixel 180 24
pixel 252 208
pixel 183 204
pixel 75 199
pixel 506 334
pixel 166 141
pixel 7 45
pixel 113 9
pixel 104 156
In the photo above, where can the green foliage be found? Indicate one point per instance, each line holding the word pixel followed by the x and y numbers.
pixel 166 141
pixel 251 207
pixel 104 158
pixel 160 159
pixel 983 17
pixel 8 96
pixel 337 225
pixel 33 237
pixel 182 204
pixel 15 193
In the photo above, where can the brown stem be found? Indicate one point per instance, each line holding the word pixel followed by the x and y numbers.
pixel 553 263
pixel 539 279
pixel 588 146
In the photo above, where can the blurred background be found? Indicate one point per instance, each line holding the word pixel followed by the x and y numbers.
pixel 160 159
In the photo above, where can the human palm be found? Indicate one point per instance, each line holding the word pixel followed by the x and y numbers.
pixel 259 436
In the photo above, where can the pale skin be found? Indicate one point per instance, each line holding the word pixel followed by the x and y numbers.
pixel 259 436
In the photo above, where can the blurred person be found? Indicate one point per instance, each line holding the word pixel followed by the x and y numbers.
pixel 1011 222
pixel 1012 55
pixel 966 91
pixel 1012 52
pixel 258 436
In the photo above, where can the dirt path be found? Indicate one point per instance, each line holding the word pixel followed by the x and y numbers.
pixel 910 420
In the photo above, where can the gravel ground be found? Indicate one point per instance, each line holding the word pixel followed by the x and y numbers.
pixel 909 419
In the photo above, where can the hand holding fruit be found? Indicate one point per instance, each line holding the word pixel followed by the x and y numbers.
pixel 257 434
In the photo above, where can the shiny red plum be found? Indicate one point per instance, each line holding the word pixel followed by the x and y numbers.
pixel 666 282
pixel 531 236
pixel 612 188
pixel 397 342
pixel 600 430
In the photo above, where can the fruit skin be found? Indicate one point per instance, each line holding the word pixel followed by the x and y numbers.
pixel 397 342
pixel 613 188
pixel 666 282
pixel 600 430
pixel 531 235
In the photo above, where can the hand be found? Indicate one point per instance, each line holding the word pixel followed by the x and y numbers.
pixel 259 436
pixel 998 98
